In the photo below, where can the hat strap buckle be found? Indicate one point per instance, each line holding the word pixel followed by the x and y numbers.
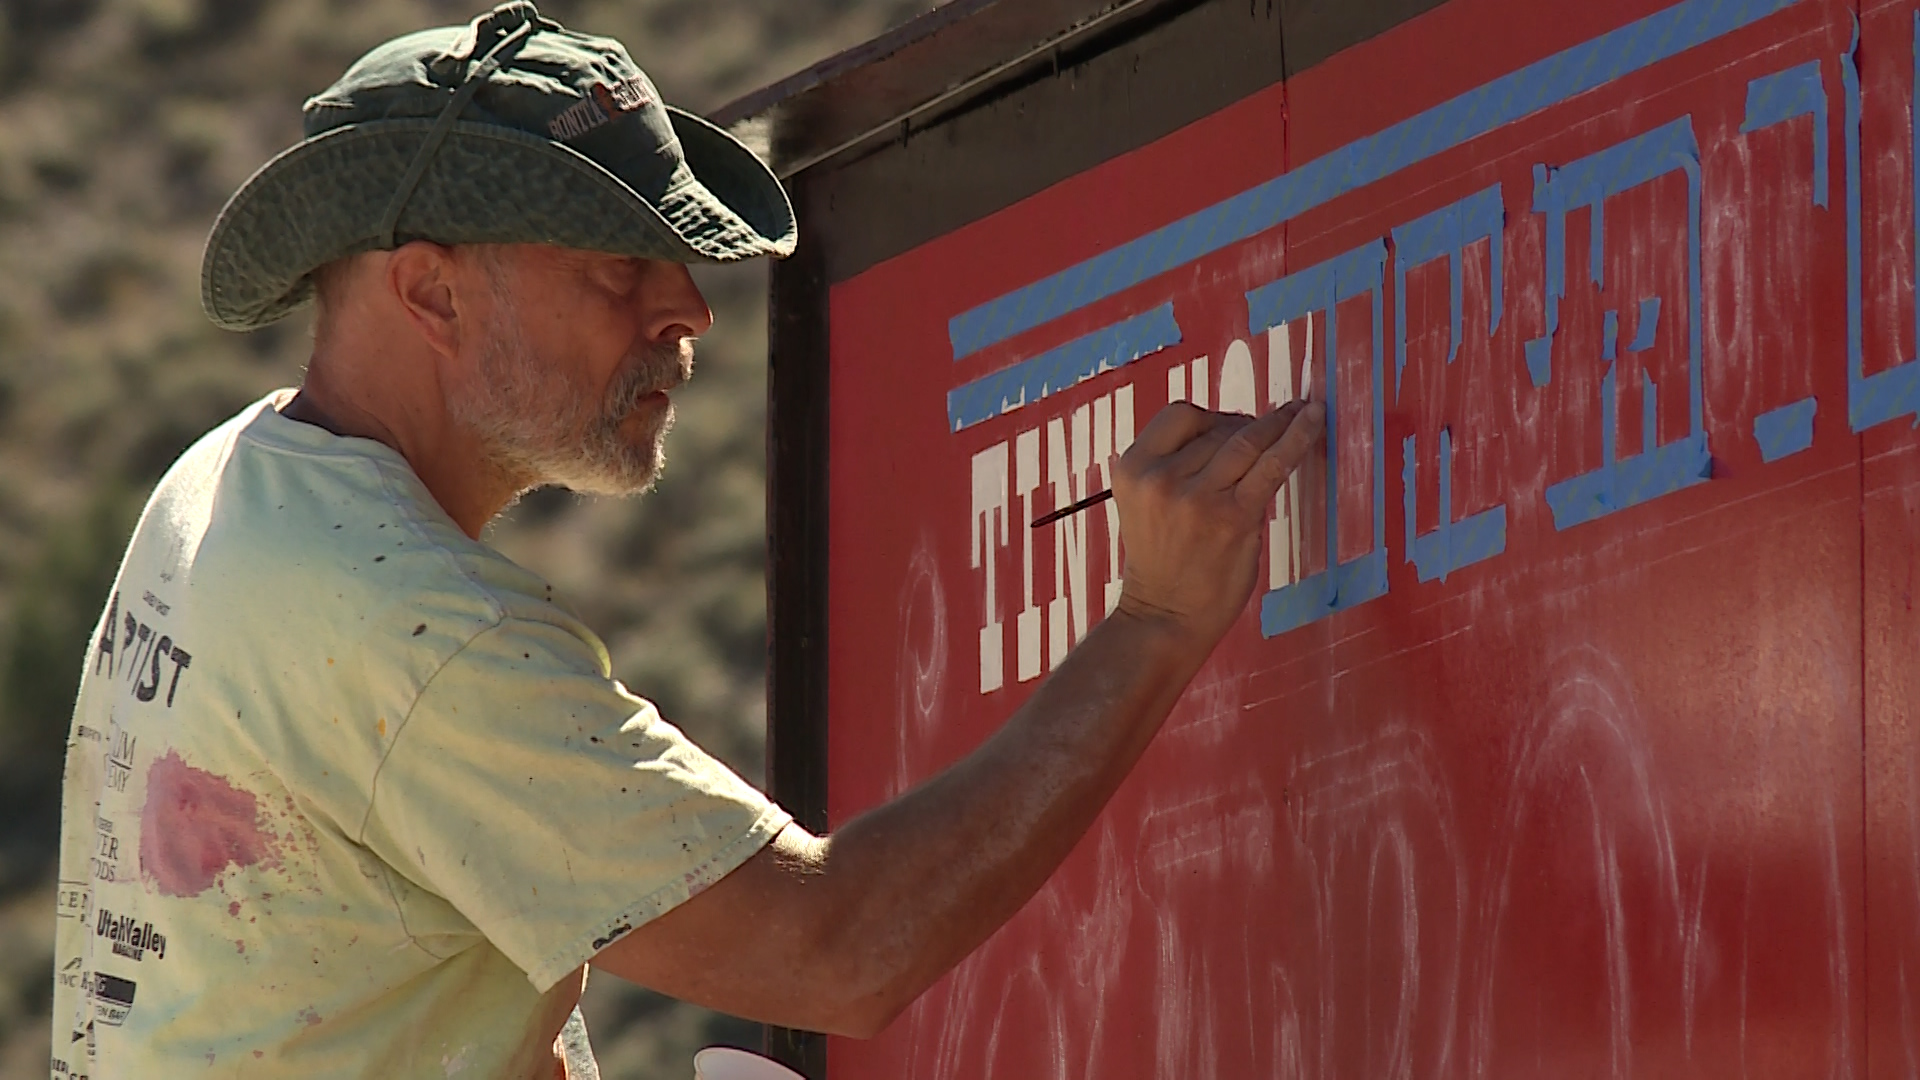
pixel 477 75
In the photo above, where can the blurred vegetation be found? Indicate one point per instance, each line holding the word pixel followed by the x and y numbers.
pixel 124 125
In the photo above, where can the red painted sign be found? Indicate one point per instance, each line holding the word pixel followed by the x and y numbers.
pixel 1573 731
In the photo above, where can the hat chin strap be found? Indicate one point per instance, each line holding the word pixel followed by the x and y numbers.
pixel 477 76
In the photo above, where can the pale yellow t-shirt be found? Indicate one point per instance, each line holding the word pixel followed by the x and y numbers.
pixel 347 794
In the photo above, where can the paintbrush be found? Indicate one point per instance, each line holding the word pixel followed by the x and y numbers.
pixel 1102 496
pixel 1073 508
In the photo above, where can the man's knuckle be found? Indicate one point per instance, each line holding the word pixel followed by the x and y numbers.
pixel 1182 412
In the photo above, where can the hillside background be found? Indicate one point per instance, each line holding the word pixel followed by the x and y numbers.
pixel 124 125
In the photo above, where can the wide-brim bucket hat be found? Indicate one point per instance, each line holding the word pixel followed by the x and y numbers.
pixel 511 129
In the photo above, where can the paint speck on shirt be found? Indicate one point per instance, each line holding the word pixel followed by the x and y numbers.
pixel 421 629
pixel 381 725
pixel 309 1016
pixel 194 826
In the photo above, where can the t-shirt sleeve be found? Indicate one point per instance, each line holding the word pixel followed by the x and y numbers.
pixel 549 806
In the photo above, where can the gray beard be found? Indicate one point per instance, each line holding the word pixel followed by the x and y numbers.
pixel 539 427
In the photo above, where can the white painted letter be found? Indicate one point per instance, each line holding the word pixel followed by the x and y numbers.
pixel 1236 380
pixel 990 499
pixel 1283 531
pixel 1026 477
pixel 1122 439
pixel 1067 468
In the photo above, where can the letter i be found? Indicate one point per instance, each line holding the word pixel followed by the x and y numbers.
pixel 989 501
pixel 1283 530
pixel 1121 440
pixel 1026 479
pixel 1068 466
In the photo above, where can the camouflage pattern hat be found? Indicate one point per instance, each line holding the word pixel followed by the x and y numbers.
pixel 511 129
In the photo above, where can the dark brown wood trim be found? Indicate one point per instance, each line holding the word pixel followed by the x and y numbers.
pixel 797 412
pixel 859 99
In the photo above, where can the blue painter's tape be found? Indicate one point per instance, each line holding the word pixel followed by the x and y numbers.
pixel 1610 337
pixel 1379 442
pixel 1463 543
pixel 1785 431
pixel 1294 606
pixel 1312 599
pixel 1476 539
pixel 1586 183
pixel 1889 395
pixel 1893 393
pixel 1447 231
pixel 1539 360
pixel 1057 369
pixel 1316 288
pixel 1537 86
pixel 1636 480
pixel 1452 544
pixel 1777 98
pixel 1539 351
pixel 1646 325
pixel 1361 271
pixel 1649 413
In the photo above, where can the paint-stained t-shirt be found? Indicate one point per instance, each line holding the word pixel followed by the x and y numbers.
pixel 347 793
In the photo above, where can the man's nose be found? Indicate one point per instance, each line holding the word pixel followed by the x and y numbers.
pixel 677 308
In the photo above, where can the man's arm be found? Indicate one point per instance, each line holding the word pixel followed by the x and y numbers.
pixel 841 933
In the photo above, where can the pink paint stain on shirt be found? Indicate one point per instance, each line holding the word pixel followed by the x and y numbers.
pixel 194 826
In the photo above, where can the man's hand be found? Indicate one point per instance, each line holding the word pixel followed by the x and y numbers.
pixel 1193 493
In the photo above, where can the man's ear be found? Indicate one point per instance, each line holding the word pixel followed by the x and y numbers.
pixel 426 280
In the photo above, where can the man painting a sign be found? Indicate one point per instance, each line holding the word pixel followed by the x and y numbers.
pixel 347 794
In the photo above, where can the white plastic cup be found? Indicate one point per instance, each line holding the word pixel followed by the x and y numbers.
pixel 726 1063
